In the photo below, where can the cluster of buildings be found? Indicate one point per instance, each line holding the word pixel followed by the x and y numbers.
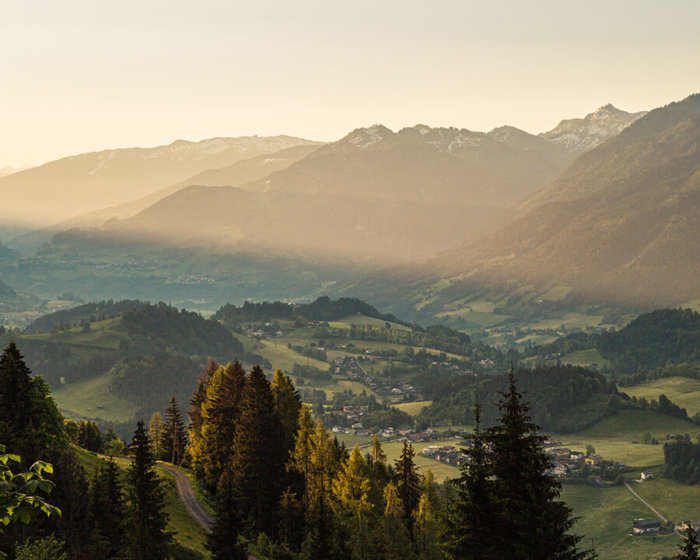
pixel 268 330
pixel 567 462
pixel 350 366
pixel 445 454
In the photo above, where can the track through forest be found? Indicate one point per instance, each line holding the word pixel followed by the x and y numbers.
pixel 188 497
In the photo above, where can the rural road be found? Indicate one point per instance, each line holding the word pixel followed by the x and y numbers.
pixel 187 496
pixel 645 503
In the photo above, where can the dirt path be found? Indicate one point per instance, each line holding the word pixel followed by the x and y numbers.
pixel 645 503
pixel 187 496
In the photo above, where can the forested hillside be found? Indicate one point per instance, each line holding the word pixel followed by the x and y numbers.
pixel 562 399
pixel 652 340
pixel 322 309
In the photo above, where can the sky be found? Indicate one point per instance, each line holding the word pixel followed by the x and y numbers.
pixel 86 75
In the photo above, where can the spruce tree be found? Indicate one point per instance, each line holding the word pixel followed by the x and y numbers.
pixel 257 463
pixel 351 489
pixel 194 429
pixel 72 497
pixel 30 423
pixel 174 436
pixel 469 531
pixel 408 484
pixel 287 406
pixel 155 433
pixel 107 511
pixel 689 549
pixel 222 541
pixel 146 535
pixel 220 411
pixel 531 522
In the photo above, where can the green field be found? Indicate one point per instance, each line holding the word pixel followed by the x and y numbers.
pixel 613 436
pixel 413 408
pixel 440 470
pixel 584 358
pixel 606 516
pixel 682 391
pixel 93 399
pixel 365 321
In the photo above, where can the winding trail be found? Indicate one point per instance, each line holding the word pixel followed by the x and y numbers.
pixel 188 497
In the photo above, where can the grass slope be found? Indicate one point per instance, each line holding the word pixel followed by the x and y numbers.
pixel 614 435
pixel 186 531
pixel 682 391
pixel 93 399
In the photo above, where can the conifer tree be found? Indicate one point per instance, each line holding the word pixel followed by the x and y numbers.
pixel 30 423
pixel 195 415
pixel 392 538
pixel 689 549
pixel 376 453
pixel 223 541
pixel 173 440
pixel 408 484
pixel 257 463
pixel 145 529
pixel 155 433
pixel 323 463
pixel 72 497
pixel 287 406
pixel 107 511
pixel 220 412
pixel 426 520
pixel 531 522
pixel 351 488
pixel 470 531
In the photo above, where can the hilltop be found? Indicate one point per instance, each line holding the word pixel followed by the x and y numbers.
pixel 64 188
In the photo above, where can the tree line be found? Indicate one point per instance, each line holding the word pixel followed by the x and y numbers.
pixel 280 480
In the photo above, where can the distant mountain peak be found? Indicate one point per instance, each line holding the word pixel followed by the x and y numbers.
pixel 369 136
pixel 583 134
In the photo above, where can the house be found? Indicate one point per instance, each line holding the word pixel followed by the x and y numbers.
pixel 687 524
pixel 647 475
pixel 646 526
pixel 576 456
pixel 593 460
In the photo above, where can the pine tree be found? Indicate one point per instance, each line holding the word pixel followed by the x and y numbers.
pixel 107 511
pixel 426 522
pixel 155 433
pixel 196 445
pixel 287 406
pixel 377 455
pixel 257 463
pixel 72 497
pixel 351 488
pixel 222 541
pixel 322 463
pixel 30 423
pixel 220 411
pixel 470 532
pixel 173 441
pixel 531 522
pixel 392 539
pixel 408 484
pixel 146 535
pixel 689 549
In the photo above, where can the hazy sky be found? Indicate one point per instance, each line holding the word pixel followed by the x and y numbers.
pixel 84 75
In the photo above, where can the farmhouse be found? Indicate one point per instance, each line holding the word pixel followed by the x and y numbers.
pixel 646 526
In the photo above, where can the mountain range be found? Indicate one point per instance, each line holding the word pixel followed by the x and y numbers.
pixel 65 188
pixel 620 224
pixel 599 206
